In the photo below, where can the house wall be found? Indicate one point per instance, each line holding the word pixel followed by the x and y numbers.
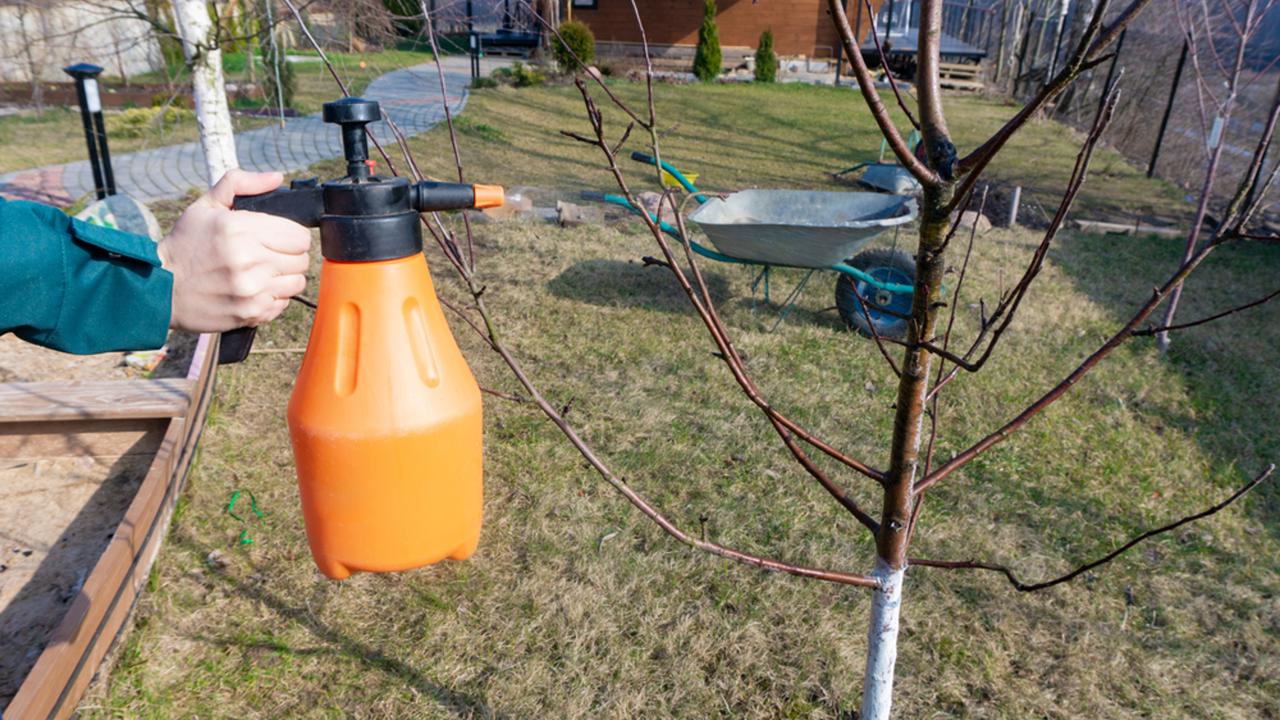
pixel 800 27
pixel 50 35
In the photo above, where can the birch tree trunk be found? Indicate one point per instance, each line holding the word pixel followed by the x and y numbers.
pixel 204 58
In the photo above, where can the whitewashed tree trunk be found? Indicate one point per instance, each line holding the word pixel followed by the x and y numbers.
pixel 882 643
pixel 204 57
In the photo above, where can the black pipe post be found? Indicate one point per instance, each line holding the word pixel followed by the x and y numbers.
pixel 888 26
pixel 95 134
pixel 108 175
pixel 1168 109
pixel 857 24
pixel 1111 73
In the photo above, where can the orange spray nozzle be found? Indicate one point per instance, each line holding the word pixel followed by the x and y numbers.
pixel 489 196
pixel 430 196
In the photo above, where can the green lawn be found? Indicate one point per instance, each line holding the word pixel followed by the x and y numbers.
pixel 577 607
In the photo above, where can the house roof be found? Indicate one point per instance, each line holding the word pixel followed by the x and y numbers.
pixel 906 43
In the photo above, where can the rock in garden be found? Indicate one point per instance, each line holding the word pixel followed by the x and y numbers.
pixel 216 560
pixel 571 215
pixel 970 218
pixel 651 202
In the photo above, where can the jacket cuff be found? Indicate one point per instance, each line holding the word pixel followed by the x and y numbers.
pixel 118 297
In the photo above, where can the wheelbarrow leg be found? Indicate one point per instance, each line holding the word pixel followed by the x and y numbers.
pixel 790 302
pixel 763 275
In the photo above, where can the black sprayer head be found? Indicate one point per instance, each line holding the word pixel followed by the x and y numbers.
pixel 353 114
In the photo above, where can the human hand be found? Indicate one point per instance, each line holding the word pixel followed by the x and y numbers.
pixel 233 268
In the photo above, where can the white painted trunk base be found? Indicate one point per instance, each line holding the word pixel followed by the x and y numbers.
pixel 213 116
pixel 882 643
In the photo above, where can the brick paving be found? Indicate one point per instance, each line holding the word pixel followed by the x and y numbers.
pixel 410 96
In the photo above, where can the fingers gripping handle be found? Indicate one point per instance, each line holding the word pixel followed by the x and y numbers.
pixel 302 204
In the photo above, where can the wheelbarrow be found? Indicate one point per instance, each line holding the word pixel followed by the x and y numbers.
pixel 810 230
pixel 881 176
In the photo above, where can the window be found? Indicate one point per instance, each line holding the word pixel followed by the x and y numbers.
pixel 588 4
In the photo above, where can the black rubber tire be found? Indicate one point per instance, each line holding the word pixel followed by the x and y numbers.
pixel 884 264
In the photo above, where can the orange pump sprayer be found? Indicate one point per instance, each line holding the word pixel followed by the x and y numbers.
pixel 385 417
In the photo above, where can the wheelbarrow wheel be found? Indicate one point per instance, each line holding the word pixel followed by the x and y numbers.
pixel 887 310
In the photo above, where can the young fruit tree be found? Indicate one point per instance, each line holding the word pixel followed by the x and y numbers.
pixel 925 360
pixel 1225 30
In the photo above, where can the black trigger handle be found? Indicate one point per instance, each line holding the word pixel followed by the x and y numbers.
pixel 301 203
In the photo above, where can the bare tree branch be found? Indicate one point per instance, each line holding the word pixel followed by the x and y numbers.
pixel 884 63
pixel 1094 40
pixel 1157 296
pixel 784 427
pixel 1182 326
pixel 869 94
pixel 1032 587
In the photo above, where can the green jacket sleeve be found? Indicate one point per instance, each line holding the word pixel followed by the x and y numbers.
pixel 77 287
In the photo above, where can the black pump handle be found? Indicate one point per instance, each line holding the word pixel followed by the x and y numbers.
pixel 301 203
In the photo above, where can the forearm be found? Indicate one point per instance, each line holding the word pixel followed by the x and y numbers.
pixel 79 288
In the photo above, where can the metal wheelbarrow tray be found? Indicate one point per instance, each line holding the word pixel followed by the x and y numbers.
pixel 799 228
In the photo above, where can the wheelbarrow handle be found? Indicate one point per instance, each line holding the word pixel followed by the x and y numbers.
pixel 671 169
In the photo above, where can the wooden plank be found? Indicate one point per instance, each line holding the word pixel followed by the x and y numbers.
pixel 96 616
pixel 94 400
pixel 961 84
pixel 960 76
pixel 1114 228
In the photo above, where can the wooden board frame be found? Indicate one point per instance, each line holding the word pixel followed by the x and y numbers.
pixel 95 618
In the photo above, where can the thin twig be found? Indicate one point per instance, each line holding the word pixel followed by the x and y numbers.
pixel 871 326
pixel 1032 587
pixel 503 395
pixel 346 92
pixel 884 63
pixel 785 428
pixel 1094 40
pixel 1157 296
pixel 1182 326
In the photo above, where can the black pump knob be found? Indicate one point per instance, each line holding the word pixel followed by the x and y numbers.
pixel 352 110
pixel 353 114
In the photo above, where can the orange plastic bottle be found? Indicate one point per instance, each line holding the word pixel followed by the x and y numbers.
pixel 385 421
pixel 385 418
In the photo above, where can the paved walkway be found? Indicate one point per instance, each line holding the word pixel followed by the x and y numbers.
pixel 411 97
